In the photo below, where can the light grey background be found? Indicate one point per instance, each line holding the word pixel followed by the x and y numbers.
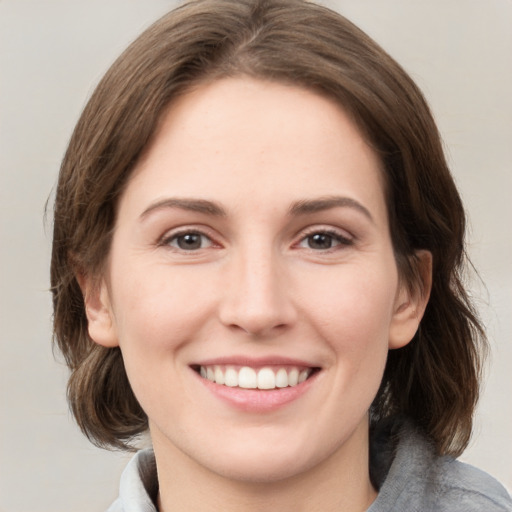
pixel 53 52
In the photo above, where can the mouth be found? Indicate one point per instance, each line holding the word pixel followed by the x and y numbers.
pixel 265 378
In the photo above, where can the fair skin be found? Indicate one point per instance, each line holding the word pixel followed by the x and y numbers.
pixel 253 237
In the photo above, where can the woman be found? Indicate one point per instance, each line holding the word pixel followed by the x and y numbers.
pixel 257 257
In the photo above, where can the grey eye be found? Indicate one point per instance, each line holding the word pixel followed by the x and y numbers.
pixel 190 241
pixel 320 241
pixel 324 240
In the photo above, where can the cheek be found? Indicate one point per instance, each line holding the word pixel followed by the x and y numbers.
pixel 358 334
pixel 354 303
pixel 157 309
pixel 156 313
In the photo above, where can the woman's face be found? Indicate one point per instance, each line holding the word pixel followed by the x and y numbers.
pixel 252 248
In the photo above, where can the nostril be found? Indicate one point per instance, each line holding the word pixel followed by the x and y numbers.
pixel 259 329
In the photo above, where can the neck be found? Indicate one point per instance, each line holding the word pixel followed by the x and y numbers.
pixel 340 482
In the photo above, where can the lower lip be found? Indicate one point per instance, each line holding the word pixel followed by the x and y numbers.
pixel 256 400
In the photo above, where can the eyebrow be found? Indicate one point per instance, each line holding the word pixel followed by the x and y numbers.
pixel 301 207
pixel 326 203
pixel 194 205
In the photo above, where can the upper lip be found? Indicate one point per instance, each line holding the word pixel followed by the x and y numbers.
pixel 255 362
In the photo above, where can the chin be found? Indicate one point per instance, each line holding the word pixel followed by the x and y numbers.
pixel 266 460
pixel 261 470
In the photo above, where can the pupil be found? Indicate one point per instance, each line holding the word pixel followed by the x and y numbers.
pixel 190 241
pixel 320 241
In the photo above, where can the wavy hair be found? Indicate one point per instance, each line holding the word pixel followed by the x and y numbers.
pixel 434 379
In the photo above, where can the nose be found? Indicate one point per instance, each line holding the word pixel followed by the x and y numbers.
pixel 257 297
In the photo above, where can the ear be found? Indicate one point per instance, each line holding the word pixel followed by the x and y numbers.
pixel 410 302
pixel 100 319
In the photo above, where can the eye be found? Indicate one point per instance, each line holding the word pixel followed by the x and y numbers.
pixel 324 240
pixel 188 241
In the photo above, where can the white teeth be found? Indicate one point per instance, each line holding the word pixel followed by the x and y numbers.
pixel 266 379
pixel 293 377
pixel 281 378
pixel 231 378
pixel 249 378
pixel 303 375
pixel 219 375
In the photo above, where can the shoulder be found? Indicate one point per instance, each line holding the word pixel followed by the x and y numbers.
pixel 419 480
pixel 139 485
pixel 467 488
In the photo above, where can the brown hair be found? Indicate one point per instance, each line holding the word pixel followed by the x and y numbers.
pixel 434 380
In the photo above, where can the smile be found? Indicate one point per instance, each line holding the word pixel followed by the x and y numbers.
pixel 246 377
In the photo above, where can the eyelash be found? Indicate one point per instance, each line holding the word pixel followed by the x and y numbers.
pixel 167 240
pixel 343 241
pixel 331 234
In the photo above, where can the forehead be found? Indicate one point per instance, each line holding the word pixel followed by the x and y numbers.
pixel 279 141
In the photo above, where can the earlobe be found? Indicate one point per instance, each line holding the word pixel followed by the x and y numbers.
pixel 411 302
pixel 100 320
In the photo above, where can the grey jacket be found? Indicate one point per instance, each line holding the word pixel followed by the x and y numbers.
pixel 403 467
